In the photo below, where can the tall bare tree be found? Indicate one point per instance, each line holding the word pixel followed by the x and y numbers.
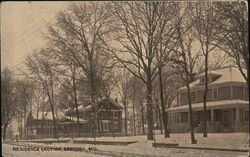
pixel 205 21
pixel 8 99
pixel 122 83
pixel 81 34
pixel 25 97
pixel 233 36
pixel 186 58
pixel 141 25
pixel 41 66
pixel 68 75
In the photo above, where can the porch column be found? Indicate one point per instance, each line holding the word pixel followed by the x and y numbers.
pixel 188 117
pixel 231 116
pixel 212 115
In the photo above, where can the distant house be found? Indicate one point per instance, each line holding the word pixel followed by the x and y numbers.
pixel 108 117
pixel 108 121
pixel 40 125
pixel 227 103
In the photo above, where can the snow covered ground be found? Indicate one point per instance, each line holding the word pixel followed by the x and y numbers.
pixel 144 147
pixel 214 140
pixel 221 140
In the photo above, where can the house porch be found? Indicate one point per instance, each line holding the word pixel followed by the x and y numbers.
pixel 233 119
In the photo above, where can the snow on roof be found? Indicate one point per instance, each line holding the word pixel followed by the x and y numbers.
pixel 227 74
pixel 83 108
pixel 48 115
pixel 74 119
pixel 211 73
pixel 115 103
pixel 211 105
pixel 88 107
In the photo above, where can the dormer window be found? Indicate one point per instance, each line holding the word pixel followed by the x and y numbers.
pixel 211 77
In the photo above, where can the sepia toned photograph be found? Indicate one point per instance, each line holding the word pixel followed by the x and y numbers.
pixel 124 79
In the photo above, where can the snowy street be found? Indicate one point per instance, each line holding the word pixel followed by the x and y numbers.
pixel 143 148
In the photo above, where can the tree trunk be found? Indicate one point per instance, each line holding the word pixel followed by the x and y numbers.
pixel 18 125
pixel 160 119
pixel 142 118
pixel 21 126
pixel 205 98
pixel 4 131
pixel 53 114
pixel 134 129
pixel 149 109
pixel 164 113
pixel 37 112
pixel 76 103
pixel 193 141
pixel 125 122
pixel 25 125
pixel 134 108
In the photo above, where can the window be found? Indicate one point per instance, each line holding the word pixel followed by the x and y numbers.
pixel 246 94
pixel 215 93
pixel 184 117
pixel 193 96
pixel 226 115
pixel 246 116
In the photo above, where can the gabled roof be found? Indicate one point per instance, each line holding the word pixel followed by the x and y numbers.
pixel 225 75
pixel 83 108
pixel 118 105
pixel 87 108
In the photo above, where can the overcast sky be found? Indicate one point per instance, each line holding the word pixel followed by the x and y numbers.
pixel 23 28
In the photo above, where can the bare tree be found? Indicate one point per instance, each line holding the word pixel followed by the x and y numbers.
pixel 8 99
pixel 122 83
pixel 39 97
pixel 25 97
pixel 205 21
pixel 217 59
pixel 138 96
pixel 167 43
pixel 233 36
pixel 141 25
pixel 67 77
pixel 81 34
pixel 41 64
pixel 185 58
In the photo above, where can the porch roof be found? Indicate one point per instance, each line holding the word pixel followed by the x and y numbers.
pixel 211 105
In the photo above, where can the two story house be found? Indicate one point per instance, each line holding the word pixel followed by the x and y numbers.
pixel 108 121
pixel 108 118
pixel 227 103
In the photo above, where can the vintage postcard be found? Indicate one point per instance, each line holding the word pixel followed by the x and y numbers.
pixel 125 78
